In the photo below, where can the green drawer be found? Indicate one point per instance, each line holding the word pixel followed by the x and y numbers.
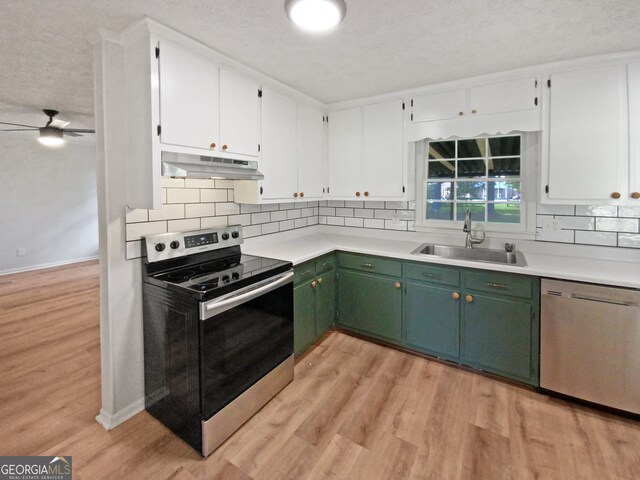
pixel 304 272
pixel 499 283
pixel 428 273
pixel 325 264
pixel 366 263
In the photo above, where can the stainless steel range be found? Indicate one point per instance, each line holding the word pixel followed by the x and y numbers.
pixel 218 332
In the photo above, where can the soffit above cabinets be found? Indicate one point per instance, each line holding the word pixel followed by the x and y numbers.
pixel 380 47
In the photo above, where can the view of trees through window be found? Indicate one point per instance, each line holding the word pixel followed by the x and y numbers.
pixel 479 174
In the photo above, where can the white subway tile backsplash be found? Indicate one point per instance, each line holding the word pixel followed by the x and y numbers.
pixel 136 215
pixel 240 220
pixel 268 228
pixel 597 211
pixel 395 225
pixel 373 204
pixel 185 225
pixel 328 211
pixel 396 205
pixel 252 231
pixel 300 222
pixel 167 212
pixel 172 182
pixel 322 220
pixel 363 213
pixel 246 208
pixel 227 208
pixel 409 215
pixel 373 223
pixel 184 195
pixel 335 221
pixel 344 212
pixel 287 206
pixel 625 225
pixel 134 249
pixel 163 195
pixel 308 212
pixel 293 214
pixel 576 223
pixel 214 196
pixel 271 207
pixel 230 195
pixel 386 214
pixel 200 210
pixel 633 212
pixel 135 231
pixel 287 225
pixel 543 209
pixel 629 240
pixel 597 238
pixel 199 183
pixel 301 204
pixel 222 183
pixel 561 236
pixel 214 222
pixel 335 203
pixel 278 216
pixel 354 222
pixel 257 218
pixel 353 204
pixel 312 221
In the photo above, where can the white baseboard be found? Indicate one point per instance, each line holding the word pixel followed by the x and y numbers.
pixel 46 265
pixel 110 421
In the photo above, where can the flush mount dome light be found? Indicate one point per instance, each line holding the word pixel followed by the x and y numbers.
pixel 50 136
pixel 315 15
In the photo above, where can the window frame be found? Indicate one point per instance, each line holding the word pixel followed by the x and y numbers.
pixel 529 159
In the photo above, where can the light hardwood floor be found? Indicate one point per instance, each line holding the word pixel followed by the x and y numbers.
pixel 356 410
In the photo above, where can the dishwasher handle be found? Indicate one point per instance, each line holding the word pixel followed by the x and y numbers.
pixel 603 300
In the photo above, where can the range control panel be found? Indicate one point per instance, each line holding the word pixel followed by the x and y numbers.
pixel 173 245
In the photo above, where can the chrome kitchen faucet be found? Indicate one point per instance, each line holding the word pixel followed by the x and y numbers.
pixel 471 240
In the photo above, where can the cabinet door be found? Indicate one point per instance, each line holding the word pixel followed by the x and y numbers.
pixel 370 304
pixel 188 98
pixel 345 152
pixel 304 317
pixel 497 336
pixel 325 296
pixel 503 97
pixel 440 106
pixel 311 152
pixel 383 149
pixel 433 319
pixel 239 107
pixel 587 133
pixel 279 157
pixel 633 75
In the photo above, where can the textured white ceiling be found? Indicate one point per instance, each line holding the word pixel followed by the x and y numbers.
pixel 45 59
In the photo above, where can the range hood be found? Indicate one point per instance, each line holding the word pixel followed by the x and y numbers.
pixel 197 166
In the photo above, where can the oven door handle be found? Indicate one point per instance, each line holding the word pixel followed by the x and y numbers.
pixel 227 302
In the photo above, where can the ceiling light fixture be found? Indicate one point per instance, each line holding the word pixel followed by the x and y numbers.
pixel 316 15
pixel 50 136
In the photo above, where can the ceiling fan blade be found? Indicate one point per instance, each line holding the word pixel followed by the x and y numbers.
pixel 72 134
pixel 19 130
pixel 18 125
pixel 58 123
pixel 78 130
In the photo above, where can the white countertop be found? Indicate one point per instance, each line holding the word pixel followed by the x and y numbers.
pixel 300 247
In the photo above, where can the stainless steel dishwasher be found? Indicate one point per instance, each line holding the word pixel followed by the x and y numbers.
pixel 590 343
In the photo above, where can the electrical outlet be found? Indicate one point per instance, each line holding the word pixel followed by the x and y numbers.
pixel 551 225
pixel 21 252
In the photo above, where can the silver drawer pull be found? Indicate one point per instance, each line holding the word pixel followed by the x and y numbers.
pixel 496 285
pixel 367 265
pixel 431 275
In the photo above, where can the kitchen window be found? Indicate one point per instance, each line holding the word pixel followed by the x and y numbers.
pixel 483 174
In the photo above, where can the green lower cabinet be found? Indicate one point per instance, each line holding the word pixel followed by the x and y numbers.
pixel 304 317
pixel 370 304
pixel 432 319
pixel 497 336
pixel 325 302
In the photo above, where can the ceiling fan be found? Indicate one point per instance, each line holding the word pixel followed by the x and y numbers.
pixel 52 134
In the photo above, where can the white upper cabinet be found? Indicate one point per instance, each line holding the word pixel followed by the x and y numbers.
pixel 366 152
pixel 495 107
pixel 345 153
pixel 502 97
pixel 311 152
pixel 587 135
pixel 633 75
pixel 383 150
pixel 239 114
pixel 188 98
pixel 440 106
pixel 279 153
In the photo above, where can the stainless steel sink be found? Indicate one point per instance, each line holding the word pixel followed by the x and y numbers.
pixel 472 254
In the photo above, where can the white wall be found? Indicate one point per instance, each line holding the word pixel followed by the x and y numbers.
pixel 48 201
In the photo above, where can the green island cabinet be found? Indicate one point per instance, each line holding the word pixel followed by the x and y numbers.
pixel 314 300
pixel 370 295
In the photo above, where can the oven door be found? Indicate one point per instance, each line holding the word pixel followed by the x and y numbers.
pixel 244 335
